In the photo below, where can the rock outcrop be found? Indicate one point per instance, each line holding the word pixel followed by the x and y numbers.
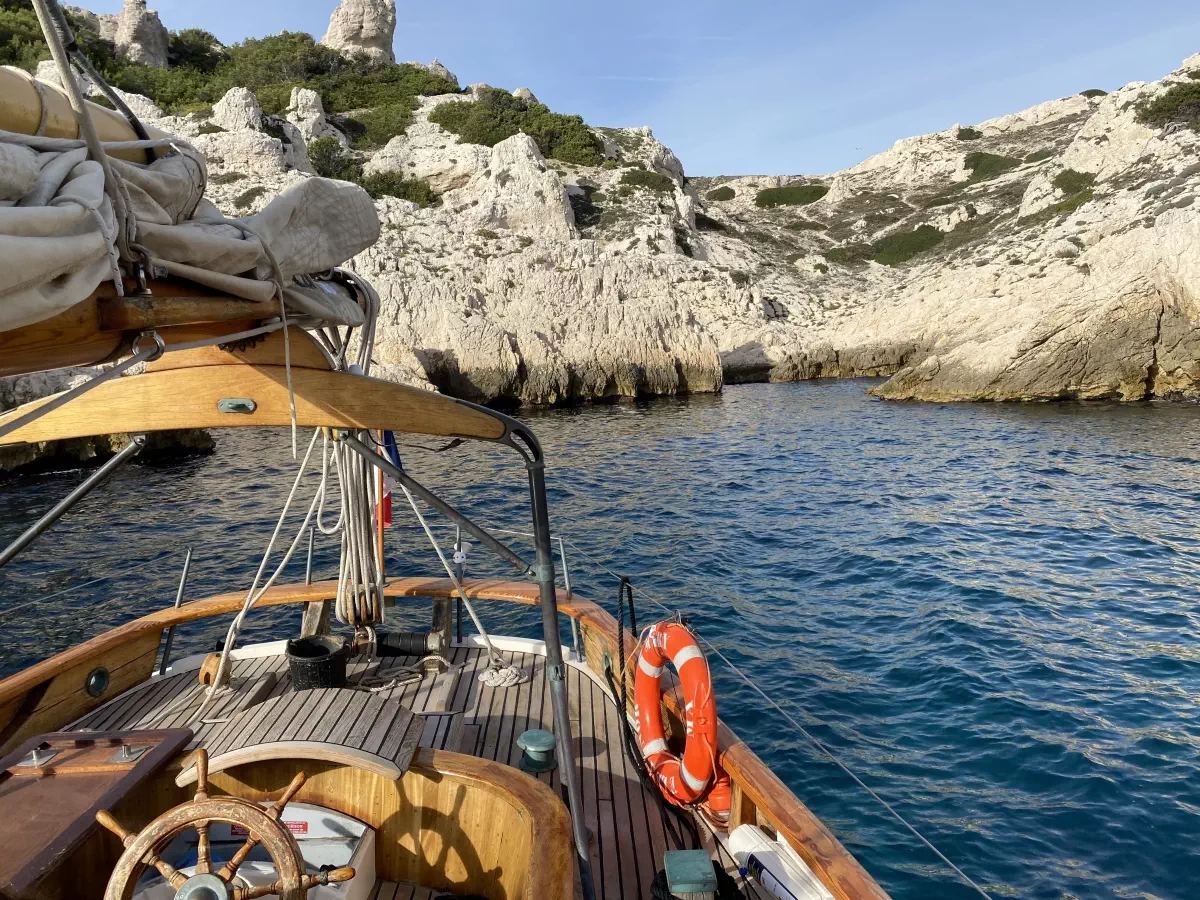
pixel 1050 253
pixel 363 26
pixel 141 35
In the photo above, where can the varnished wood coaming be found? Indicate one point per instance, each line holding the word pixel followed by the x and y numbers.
pixel 759 795
pixel 188 398
pixel 100 328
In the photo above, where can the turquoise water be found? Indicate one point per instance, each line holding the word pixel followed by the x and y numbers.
pixel 989 612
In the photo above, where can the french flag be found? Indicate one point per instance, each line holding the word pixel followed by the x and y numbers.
pixel 392 452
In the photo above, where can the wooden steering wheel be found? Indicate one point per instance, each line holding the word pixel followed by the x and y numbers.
pixel 263 826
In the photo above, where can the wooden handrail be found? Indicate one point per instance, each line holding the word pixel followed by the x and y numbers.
pixel 756 787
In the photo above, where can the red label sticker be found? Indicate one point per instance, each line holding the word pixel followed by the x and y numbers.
pixel 293 827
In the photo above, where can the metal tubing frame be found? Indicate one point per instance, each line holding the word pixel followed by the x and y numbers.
pixel 520 438
pixel 435 501
pixel 34 531
pixel 170 632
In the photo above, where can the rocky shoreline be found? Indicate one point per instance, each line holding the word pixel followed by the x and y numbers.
pixel 1050 254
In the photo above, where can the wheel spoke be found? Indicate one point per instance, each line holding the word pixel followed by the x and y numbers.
pixel 168 871
pixel 230 868
pixel 203 854
pixel 201 774
pixel 262 890
pixel 288 793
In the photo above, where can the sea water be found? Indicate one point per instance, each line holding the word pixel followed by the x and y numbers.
pixel 988 612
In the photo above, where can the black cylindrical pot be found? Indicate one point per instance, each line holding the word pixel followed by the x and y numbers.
pixel 317 662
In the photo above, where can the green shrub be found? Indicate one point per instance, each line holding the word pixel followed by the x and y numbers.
pixel 849 254
pixel 247 199
pixel 611 164
pixel 650 180
pixel 899 248
pixel 329 160
pixel 1039 155
pixel 1073 202
pixel 379 125
pixel 792 195
pixel 1071 182
pixel 822 268
pixel 805 225
pixel 721 194
pixel 740 278
pixel 210 128
pixel 498 115
pixel 1179 105
pixel 1093 92
pixel 985 166
pixel 945 198
pixel 394 184
pixel 195 48
pixel 227 178
pixel 968 134
pixel 487 234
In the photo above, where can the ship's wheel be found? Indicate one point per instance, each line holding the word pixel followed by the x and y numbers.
pixel 262 825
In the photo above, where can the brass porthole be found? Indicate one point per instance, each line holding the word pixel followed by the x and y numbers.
pixel 96 682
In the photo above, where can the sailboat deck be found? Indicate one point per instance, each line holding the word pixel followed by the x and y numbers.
pixel 461 714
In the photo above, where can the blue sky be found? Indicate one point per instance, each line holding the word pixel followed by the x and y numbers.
pixel 758 87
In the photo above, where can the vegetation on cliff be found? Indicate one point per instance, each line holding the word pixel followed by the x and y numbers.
pixel 1179 105
pixel 380 97
pixel 498 115
pixel 331 161
pixel 792 195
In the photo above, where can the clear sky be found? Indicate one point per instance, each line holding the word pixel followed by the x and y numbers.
pixel 764 86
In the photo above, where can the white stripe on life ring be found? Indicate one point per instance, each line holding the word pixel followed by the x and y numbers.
pixel 687 654
pixel 652 671
pixel 694 783
pixel 658 745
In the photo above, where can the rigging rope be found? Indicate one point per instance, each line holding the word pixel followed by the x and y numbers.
pixel 498 673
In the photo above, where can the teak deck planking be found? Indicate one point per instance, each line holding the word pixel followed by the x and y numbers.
pixel 459 713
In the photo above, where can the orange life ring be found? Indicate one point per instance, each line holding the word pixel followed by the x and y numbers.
pixel 697 776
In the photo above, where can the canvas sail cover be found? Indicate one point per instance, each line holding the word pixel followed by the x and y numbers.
pixel 58 229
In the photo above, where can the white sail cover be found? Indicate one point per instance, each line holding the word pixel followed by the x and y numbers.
pixel 58 229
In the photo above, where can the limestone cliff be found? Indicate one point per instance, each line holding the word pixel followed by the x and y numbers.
pixel 1052 253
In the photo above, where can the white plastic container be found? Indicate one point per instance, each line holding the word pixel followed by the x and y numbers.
pixel 774 865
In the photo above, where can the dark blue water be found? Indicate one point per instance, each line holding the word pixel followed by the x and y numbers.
pixel 988 611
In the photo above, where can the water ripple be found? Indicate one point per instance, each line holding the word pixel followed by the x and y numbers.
pixel 987 611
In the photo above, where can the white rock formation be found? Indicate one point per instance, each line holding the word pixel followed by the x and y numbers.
pixel 141 35
pixel 238 110
pixel 539 281
pixel 524 93
pixel 103 24
pixel 306 112
pixel 363 26
pixel 436 68
pixel 429 152
pixel 47 71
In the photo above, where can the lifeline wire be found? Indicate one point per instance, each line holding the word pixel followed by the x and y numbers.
pixel 800 728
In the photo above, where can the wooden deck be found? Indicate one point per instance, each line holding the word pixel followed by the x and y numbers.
pixel 402 890
pixel 460 714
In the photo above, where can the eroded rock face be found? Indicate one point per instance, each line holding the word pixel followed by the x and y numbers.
pixel 363 26
pixel 537 281
pixel 141 35
pixel 306 112
pixel 238 110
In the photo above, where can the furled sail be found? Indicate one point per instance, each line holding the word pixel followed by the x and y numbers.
pixel 60 231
